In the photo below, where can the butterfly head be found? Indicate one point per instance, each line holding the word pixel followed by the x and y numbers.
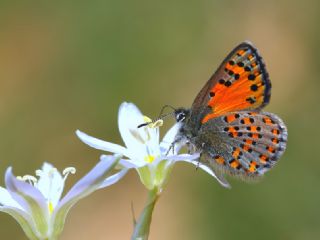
pixel 181 114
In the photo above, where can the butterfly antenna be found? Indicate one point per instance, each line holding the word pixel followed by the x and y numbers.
pixel 161 116
pixel 163 108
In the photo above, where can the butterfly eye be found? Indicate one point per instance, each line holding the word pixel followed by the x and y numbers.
pixel 180 117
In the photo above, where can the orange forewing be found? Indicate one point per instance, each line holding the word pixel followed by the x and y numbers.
pixel 240 83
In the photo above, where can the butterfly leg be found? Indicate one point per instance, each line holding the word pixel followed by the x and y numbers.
pixel 172 145
pixel 192 149
pixel 189 147
pixel 171 148
pixel 199 160
pixel 178 140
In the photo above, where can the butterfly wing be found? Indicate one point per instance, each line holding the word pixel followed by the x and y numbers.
pixel 244 143
pixel 240 83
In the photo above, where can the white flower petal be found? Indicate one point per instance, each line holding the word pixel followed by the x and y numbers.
pixel 24 220
pixel 125 163
pixel 220 178
pixel 50 183
pixel 175 158
pixel 114 178
pixel 210 171
pixel 140 142
pixel 166 144
pixel 30 199
pixel 101 145
pixel 169 137
pixel 7 200
pixel 129 163
pixel 129 117
pixel 184 157
pixel 85 186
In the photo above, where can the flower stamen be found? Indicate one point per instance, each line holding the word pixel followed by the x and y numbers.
pixel 153 124
pixel 67 171
pixel 156 124
pixel 19 178
pixel 39 172
pixel 30 179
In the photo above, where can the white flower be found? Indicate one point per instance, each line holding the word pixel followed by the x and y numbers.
pixel 152 160
pixel 35 202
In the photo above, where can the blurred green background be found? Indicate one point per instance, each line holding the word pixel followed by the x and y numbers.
pixel 66 65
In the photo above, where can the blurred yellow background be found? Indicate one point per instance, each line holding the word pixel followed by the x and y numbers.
pixel 67 65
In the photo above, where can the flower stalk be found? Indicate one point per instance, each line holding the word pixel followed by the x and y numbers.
pixel 142 226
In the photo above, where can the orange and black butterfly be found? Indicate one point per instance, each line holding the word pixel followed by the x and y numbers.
pixel 225 122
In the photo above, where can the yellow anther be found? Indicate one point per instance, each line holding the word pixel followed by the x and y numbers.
pixel 152 124
pixel 146 119
pixel 156 124
pixel 149 158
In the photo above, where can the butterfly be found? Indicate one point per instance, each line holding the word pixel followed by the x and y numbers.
pixel 226 123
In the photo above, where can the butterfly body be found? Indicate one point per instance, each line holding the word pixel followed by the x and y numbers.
pixel 225 123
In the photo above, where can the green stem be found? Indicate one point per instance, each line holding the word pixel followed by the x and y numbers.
pixel 142 227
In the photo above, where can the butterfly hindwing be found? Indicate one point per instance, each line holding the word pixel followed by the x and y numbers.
pixel 249 143
pixel 240 83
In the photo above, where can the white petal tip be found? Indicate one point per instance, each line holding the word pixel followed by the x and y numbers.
pixel 79 133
